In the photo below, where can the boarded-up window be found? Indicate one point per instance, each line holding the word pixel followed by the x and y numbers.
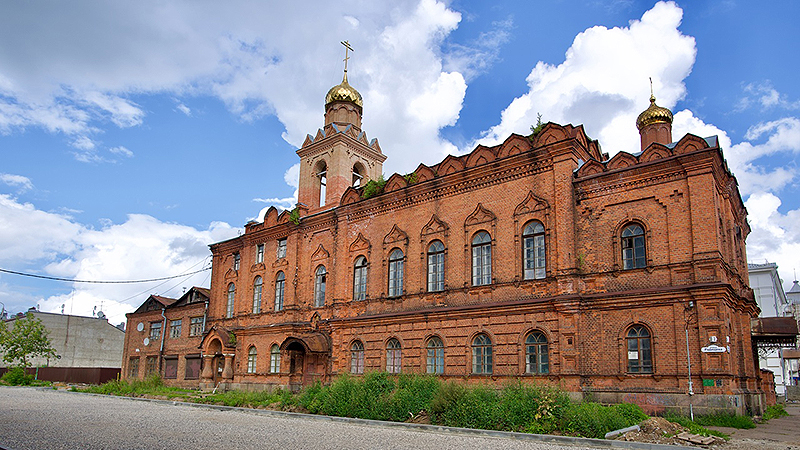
pixel 171 368
pixel 192 368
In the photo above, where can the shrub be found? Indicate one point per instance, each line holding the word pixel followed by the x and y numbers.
pixel 774 411
pixel 595 420
pixel 373 187
pixel 16 377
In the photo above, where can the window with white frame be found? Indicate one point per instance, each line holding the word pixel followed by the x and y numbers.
pixel 319 286
pixel 436 266
pixel 533 251
pixel 260 253
pixel 252 354
pixel 231 298
pixel 258 285
pixel 280 281
pixel 357 357
pixel 393 356
pixel 482 355
pixel 281 248
pixel 175 328
pixel 396 259
pixel 536 355
pixel 155 331
pixel 196 326
pixel 275 359
pixel 360 279
pixel 481 259
pixel 237 260
pixel 435 355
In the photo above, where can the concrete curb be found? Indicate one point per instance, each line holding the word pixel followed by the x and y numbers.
pixel 553 439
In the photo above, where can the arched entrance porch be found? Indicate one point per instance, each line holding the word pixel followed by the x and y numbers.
pixel 308 359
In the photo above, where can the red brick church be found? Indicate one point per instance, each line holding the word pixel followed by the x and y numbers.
pixel 540 259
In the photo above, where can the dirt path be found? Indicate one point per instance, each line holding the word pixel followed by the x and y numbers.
pixel 782 433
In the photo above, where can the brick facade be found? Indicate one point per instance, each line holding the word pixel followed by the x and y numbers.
pixel 690 273
pixel 178 362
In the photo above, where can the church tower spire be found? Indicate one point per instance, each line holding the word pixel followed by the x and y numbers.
pixel 339 155
pixel 654 123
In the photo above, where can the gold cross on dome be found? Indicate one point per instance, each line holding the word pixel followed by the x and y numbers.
pixel 347 49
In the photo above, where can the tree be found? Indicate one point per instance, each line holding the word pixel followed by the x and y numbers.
pixel 27 339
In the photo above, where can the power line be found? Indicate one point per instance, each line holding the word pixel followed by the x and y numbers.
pixel 70 280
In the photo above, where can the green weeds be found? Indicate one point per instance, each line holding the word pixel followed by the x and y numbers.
pixel 774 411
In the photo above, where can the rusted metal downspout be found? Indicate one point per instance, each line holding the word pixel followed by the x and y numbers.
pixel 163 336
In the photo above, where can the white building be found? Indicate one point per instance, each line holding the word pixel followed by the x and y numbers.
pixel 79 341
pixel 771 298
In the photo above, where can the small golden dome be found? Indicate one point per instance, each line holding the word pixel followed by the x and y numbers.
pixel 653 114
pixel 344 93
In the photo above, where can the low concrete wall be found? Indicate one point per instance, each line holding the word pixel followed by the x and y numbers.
pixel 660 403
pixel 793 393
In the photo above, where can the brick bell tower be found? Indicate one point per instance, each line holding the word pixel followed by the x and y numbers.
pixel 339 155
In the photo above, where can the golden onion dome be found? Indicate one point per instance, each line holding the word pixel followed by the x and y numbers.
pixel 344 93
pixel 653 114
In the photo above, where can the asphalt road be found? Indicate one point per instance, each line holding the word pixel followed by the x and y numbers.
pixel 47 419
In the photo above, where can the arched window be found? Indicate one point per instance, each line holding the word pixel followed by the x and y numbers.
pixel 640 354
pixel 393 356
pixel 436 266
pixel 251 359
pixel 533 251
pixel 319 286
pixel 231 296
pixel 435 358
pixel 396 273
pixel 275 359
pixel 257 285
pixel 482 355
pixel 322 174
pixel 357 357
pixel 360 279
pixel 358 174
pixel 536 356
pixel 481 259
pixel 633 251
pixel 280 280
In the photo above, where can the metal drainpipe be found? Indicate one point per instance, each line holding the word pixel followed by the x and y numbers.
pixel 163 335
pixel 205 314
pixel 689 364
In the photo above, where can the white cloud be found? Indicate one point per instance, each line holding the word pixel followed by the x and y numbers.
pixel 775 236
pixel 767 96
pixel 122 151
pixel 184 109
pixel 292 178
pixel 603 81
pixel 19 181
pixel 75 68
pixel 142 247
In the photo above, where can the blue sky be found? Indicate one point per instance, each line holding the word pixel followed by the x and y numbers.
pixel 133 135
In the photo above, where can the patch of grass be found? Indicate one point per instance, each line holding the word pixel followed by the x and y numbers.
pixel 693 427
pixel 244 399
pixel 152 385
pixel 774 411
pixel 595 420
pixel 725 420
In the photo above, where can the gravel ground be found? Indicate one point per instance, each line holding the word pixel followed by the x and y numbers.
pixel 47 419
